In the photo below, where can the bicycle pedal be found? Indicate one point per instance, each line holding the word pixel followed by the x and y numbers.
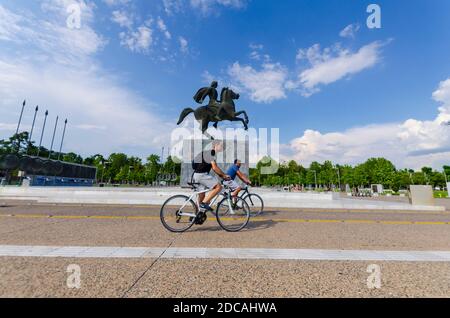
pixel 201 218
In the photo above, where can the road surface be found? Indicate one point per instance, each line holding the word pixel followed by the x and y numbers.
pixel 285 253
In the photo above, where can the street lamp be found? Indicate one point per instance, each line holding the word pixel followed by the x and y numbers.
pixel 315 177
pixel 129 173
pixel 103 170
pixel 32 128
pixel 411 178
pixel 339 178
pixel 42 133
pixel 53 138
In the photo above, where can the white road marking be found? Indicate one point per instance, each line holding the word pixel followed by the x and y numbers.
pixel 222 253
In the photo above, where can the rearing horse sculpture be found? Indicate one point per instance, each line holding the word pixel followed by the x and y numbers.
pixel 226 111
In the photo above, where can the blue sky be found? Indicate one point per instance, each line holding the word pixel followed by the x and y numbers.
pixel 336 89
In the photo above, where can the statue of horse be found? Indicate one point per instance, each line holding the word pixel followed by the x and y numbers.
pixel 226 111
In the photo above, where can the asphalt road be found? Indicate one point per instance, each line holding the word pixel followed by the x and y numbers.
pixel 40 225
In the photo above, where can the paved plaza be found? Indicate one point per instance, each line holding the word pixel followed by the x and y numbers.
pixel 124 251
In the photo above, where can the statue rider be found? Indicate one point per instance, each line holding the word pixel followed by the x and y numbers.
pixel 213 104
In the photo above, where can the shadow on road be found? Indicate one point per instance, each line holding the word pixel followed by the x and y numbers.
pixel 269 213
pixel 259 225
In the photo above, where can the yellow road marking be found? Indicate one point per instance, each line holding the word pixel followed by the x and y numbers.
pixel 431 223
pixel 28 216
pixel 305 210
pixel 259 219
pixel 361 221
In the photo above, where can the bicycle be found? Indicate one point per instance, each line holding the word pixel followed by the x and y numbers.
pixel 254 201
pixel 180 212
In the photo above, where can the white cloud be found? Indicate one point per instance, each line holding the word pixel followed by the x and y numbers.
pixel 184 45
pixel 350 31
pixel 257 54
pixel 265 85
pixel 139 40
pixel 206 6
pixel 8 127
pixel 163 28
pixel 52 39
pixel 273 80
pixel 56 68
pixel 9 24
pixel 413 143
pixel 442 95
pixel 113 3
pixel 103 116
pixel 332 64
pixel 172 6
pixel 256 47
pixel 142 38
pixel 122 18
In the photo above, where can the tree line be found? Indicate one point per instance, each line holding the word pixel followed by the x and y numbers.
pixel 117 168
pixel 120 168
pixel 329 175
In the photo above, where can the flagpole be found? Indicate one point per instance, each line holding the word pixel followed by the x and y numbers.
pixel 18 125
pixel 42 133
pixel 32 128
pixel 62 140
pixel 53 138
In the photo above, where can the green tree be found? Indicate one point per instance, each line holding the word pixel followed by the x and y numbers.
pixel 114 170
pixel 15 144
pixel 419 178
pixel 437 179
pixel 152 167
pixel 379 171
pixel 447 171
pixel 72 158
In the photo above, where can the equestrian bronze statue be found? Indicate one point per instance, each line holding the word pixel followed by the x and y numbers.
pixel 216 111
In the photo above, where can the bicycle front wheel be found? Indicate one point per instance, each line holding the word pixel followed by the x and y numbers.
pixel 178 213
pixel 256 204
pixel 232 214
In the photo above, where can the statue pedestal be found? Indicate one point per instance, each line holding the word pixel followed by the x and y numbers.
pixel 232 150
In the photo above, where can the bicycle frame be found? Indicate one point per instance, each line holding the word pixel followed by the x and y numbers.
pixel 244 192
pixel 195 196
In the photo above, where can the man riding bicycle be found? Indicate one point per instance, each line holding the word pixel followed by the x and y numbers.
pixel 180 212
pixel 203 164
pixel 233 172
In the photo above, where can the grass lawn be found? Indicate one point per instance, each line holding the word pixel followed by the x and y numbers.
pixel 440 194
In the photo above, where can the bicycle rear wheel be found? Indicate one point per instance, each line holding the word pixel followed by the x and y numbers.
pixel 178 213
pixel 255 203
pixel 233 216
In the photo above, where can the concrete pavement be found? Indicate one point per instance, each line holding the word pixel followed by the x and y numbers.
pixel 157 196
pixel 37 277
pixel 138 226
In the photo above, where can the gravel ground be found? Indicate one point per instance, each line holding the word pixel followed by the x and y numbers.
pixel 39 277
pixel 36 277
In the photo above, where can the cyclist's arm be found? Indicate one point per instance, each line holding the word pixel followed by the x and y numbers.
pixel 243 177
pixel 218 171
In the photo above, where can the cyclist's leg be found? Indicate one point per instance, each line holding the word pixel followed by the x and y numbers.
pixel 212 194
pixel 208 182
pixel 234 187
pixel 201 198
pixel 236 192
